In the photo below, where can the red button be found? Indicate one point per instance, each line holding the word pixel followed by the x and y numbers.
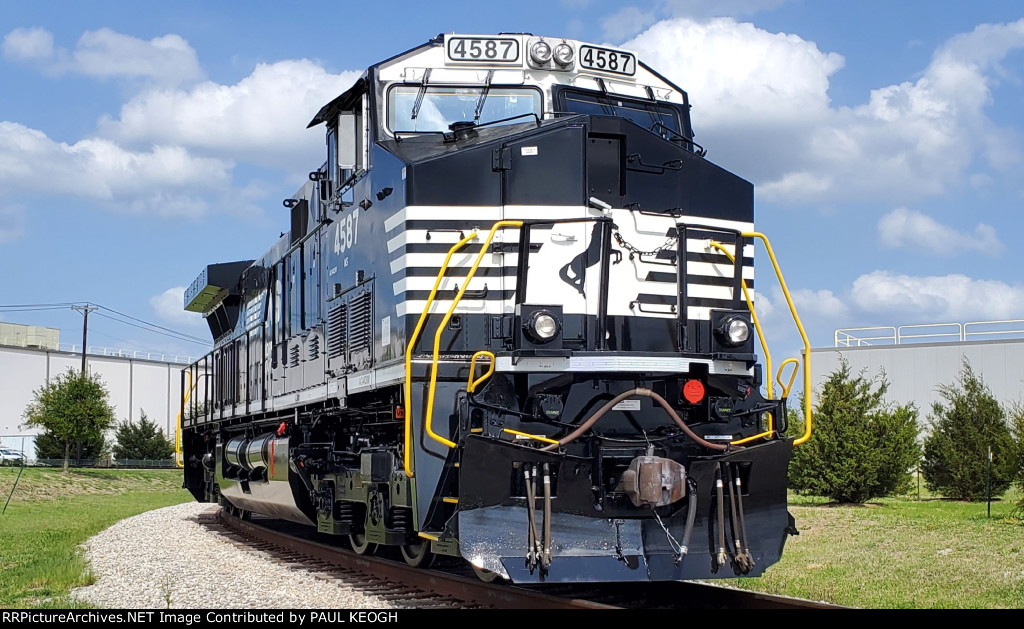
pixel 693 391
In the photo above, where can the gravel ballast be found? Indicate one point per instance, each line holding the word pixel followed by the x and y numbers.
pixel 166 559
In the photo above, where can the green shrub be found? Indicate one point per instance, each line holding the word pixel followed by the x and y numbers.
pixel 963 430
pixel 860 448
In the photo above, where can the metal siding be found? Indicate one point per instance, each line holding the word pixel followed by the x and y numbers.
pixel 915 371
pixel 155 387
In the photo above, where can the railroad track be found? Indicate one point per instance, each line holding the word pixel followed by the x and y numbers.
pixel 454 586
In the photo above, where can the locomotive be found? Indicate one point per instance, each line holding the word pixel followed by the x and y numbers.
pixel 512 321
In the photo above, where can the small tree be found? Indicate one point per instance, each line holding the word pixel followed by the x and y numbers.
pixel 860 448
pixel 48 446
pixel 73 407
pixel 1017 430
pixel 963 429
pixel 143 440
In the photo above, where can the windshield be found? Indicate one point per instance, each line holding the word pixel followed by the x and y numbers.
pixel 440 106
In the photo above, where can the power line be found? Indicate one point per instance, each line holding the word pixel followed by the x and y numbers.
pixel 146 325
pixel 174 335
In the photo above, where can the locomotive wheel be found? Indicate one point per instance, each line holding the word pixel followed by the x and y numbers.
pixel 486 576
pixel 418 555
pixel 360 545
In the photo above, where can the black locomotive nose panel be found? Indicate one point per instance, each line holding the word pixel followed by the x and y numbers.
pixel 587 544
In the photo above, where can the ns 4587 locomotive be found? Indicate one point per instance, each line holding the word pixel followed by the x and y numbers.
pixel 512 321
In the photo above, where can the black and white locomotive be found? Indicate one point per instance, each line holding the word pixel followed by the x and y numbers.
pixel 512 321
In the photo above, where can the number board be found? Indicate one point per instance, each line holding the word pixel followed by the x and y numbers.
pixel 606 60
pixel 482 49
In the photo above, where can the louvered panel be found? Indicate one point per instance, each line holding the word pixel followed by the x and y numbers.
pixel 360 327
pixel 337 330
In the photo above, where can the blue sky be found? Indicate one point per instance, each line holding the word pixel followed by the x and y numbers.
pixel 140 141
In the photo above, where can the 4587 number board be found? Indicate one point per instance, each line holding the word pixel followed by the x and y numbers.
pixel 606 60
pixel 490 49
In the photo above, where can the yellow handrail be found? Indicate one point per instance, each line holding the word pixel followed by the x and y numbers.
pixel 472 384
pixel 803 336
pixel 529 436
pixel 444 322
pixel 753 315
pixel 178 456
pixel 412 345
pixel 792 376
pixel 179 460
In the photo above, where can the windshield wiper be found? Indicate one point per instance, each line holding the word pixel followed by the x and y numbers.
pixel 420 94
pixel 483 96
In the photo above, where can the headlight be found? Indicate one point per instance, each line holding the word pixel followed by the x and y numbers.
pixel 540 51
pixel 563 54
pixel 542 326
pixel 734 331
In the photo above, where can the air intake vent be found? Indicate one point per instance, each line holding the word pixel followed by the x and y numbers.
pixel 293 355
pixel 361 328
pixel 313 347
pixel 337 330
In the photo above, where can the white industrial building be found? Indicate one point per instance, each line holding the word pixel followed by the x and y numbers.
pixel 136 381
pixel 917 359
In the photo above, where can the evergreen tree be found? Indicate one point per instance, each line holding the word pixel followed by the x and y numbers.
pixel 860 448
pixel 48 446
pixel 1017 430
pixel 143 440
pixel 956 452
pixel 74 407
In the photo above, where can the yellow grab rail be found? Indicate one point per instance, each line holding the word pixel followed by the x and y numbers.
pixel 178 456
pixel 412 345
pixel 444 322
pixel 753 315
pixel 473 384
pixel 437 340
pixel 529 436
pixel 179 460
pixel 796 367
pixel 803 336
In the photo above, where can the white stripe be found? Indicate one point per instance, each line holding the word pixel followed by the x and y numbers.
pixel 616 364
pixel 448 283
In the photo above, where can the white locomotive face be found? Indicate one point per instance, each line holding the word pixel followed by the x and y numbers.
pixel 488 79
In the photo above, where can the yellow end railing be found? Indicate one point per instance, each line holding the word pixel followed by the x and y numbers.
pixel 437 341
pixel 768 364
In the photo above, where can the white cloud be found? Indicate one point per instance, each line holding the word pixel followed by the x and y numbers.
pixel 169 306
pixel 757 93
pixel 262 117
pixel 104 53
pixel 12 222
pixel 163 180
pixel 720 8
pixel 953 297
pixel 28 44
pixel 903 228
pixel 626 22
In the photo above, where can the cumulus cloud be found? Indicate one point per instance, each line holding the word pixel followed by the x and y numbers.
pixel 12 222
pixel 169 307
pixel 758 93
pixel 903 228
pixel 104 53
pixel 164 179
pixel 28 44
pixel 626 22
pixel 954 297
pixel 262 117
pixel 720 8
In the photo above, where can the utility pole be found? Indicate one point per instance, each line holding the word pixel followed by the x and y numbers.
pixel 85 310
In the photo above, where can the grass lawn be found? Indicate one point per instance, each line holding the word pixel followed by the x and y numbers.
pixel 51 513
pixel 891 553
pixel 902 553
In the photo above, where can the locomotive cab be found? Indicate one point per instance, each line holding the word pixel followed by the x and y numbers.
pixel 512 321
